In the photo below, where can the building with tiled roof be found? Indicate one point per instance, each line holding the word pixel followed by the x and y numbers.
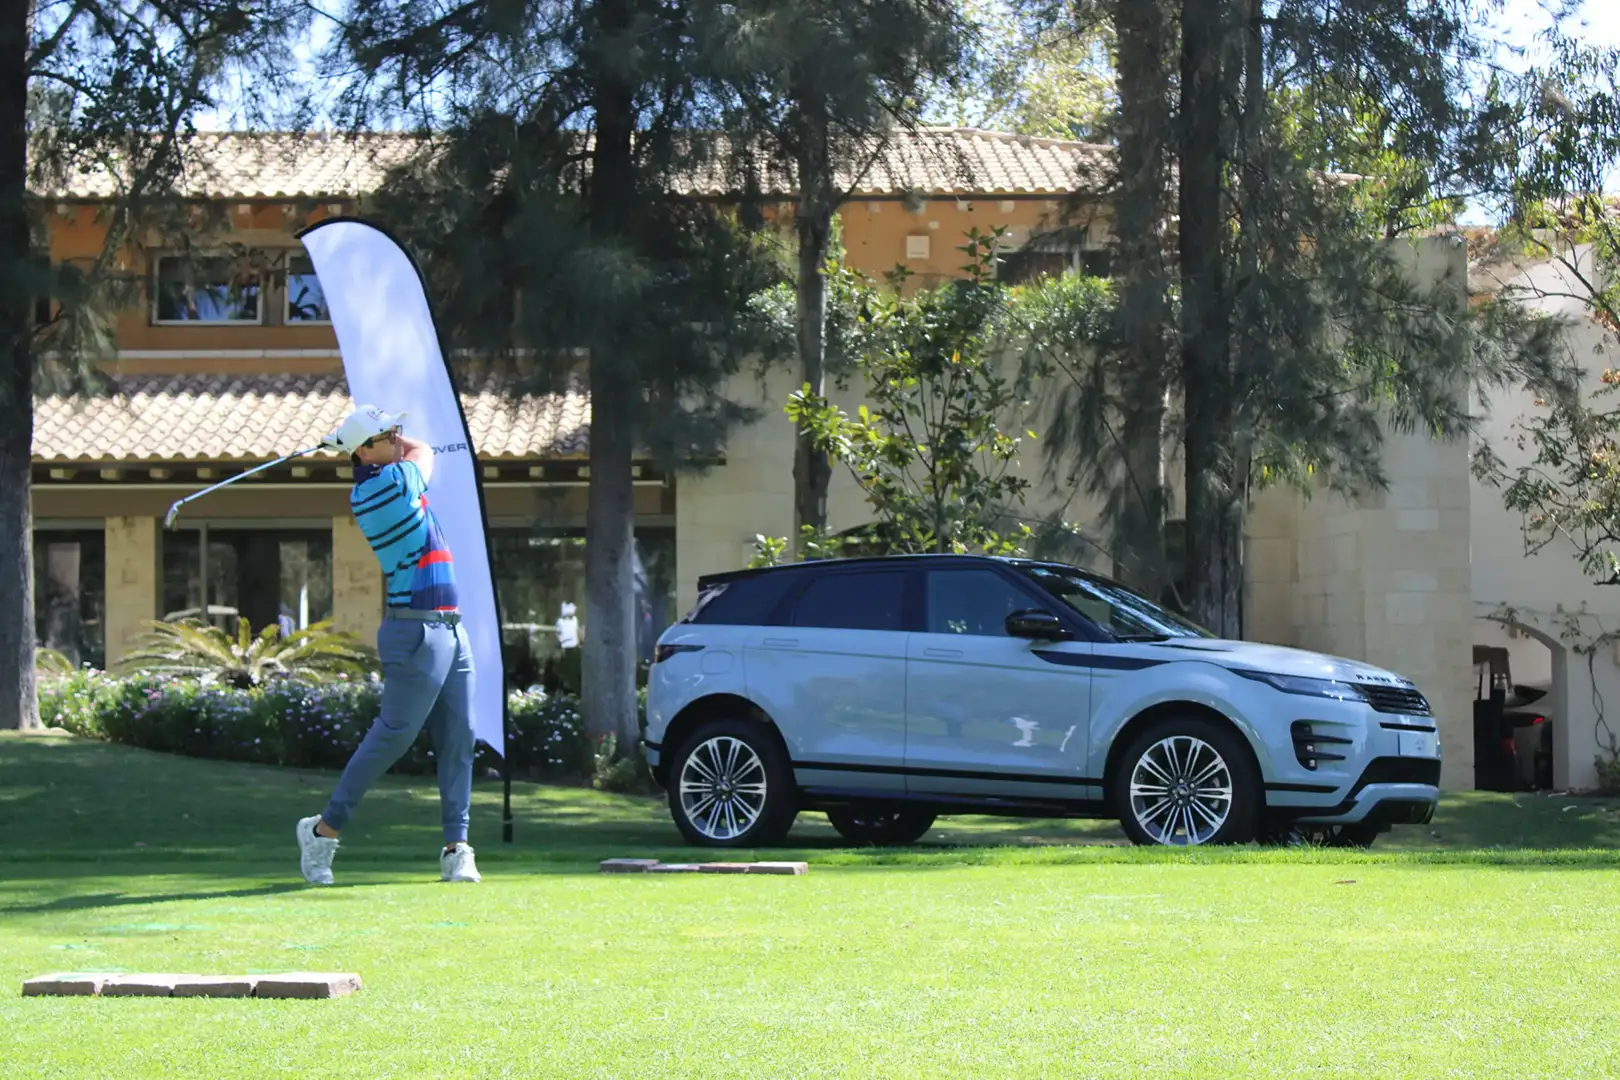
pixel 929 161
pixel 208 381
pixel 203 387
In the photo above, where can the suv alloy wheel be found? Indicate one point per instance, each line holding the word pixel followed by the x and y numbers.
pixel 1187 781
pixel 730 786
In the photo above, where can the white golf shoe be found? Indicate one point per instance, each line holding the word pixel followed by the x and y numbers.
pixel 458 865
pixel 315 852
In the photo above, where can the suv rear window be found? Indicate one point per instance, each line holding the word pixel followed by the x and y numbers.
pixel 746 601
pixel 854 601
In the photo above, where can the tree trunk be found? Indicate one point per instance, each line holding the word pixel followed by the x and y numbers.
pixel 812 472
pixel 1145 38
pixel 19 703
pixel 608 678
pixel 1214 541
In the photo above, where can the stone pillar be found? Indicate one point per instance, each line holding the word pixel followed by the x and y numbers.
pixel 134 572
pixel 357 581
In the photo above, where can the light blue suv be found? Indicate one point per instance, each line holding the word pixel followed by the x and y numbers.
pixel 885 692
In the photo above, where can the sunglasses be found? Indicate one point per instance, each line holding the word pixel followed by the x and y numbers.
pixel 386 436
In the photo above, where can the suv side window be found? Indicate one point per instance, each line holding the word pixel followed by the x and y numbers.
pixel 974 602
pixel 870 600
pixel 746 601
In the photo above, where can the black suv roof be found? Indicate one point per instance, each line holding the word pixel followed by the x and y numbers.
pixel 709 580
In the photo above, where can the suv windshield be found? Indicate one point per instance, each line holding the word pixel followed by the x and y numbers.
pixel 1113 607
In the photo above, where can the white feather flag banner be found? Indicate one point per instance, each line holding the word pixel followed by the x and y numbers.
pixel 392 359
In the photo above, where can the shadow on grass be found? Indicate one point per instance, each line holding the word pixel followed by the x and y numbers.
pixel 75 810
pixel 91 901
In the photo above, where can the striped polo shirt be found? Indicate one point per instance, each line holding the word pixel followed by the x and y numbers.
pixel 390 506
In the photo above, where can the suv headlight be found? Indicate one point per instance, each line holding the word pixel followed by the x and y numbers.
pixel 1305 686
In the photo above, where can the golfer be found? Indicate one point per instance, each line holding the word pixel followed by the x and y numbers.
pixel 426 660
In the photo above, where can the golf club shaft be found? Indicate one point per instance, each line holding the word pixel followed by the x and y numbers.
pixel 174 511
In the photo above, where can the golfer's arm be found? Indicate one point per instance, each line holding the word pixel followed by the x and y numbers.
pixel 419 454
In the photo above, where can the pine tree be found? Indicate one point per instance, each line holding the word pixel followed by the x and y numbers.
pixel 91 87
pixel 1298 336
pixel 552 208
pixel 816 89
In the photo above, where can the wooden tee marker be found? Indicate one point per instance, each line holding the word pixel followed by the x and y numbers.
pixel 309 985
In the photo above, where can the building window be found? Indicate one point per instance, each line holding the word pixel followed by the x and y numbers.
pixel 538 572
pixel 206 289
pixel 70 593
pixel 1027 265
pixel 1098 263
pixel 306 300
pixel 225 574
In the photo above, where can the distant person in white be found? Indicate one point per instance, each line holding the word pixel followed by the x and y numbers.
pixel 568 628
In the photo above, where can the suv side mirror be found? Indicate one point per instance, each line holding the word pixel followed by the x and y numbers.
pixel 1036 626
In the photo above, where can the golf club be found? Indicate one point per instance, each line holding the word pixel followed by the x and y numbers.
pixel 174 511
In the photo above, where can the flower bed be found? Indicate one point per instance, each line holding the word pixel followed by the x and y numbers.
pixel 298 723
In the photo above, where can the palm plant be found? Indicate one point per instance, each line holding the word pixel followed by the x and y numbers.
pixel 194 649
pixel 50 664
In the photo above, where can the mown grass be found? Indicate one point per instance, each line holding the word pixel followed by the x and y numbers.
pixel 1482 945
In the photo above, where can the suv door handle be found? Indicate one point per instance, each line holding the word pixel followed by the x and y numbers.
pixel 943 654
pixel 780 643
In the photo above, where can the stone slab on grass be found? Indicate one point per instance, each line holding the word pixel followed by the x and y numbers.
pixel 140 986
pixel 653 866
pixel 627 866
pixel 778 868
pixel 216 986
pixel 76 984
pixel 307 985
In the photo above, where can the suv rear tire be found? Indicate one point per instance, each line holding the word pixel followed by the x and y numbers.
pixel 730 785
pixel 876 825
pixel 1186 781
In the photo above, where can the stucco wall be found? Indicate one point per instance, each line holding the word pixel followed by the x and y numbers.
pixel 133 576
pixel 1548 592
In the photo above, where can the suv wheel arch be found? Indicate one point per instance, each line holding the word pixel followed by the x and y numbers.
pixel 700 712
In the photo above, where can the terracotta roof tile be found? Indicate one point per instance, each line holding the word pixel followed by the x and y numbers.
pixel 956 161
pixel 258 417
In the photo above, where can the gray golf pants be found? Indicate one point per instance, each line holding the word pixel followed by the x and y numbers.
pixel 427 678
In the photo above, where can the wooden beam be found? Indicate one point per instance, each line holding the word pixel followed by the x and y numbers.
pixel 205 474
pixel 63 474
pixel 111 474
pixel 492 472
pixel 301 472
pixel 158 474
pixel 537 472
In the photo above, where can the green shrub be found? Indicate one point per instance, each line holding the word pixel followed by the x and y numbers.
pixel 293 722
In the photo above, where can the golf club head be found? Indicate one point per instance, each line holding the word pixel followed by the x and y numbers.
pixel 172 516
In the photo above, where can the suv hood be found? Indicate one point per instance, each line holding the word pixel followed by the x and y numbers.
pixel 1277 660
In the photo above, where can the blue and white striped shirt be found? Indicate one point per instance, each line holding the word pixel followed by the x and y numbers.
pixel 390 506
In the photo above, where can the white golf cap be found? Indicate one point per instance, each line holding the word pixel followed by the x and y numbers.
pixel 365 422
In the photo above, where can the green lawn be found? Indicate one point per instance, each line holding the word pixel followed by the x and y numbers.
pixel 1483 945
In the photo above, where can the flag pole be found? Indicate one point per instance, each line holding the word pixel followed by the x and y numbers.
pixel 506 771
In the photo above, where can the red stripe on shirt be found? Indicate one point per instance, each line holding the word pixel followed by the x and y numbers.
pixel 434 557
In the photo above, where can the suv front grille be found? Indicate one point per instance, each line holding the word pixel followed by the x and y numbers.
pixel 1395 699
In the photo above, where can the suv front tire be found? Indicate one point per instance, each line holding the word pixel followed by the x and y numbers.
pixel 1185 781
pixel 730 786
